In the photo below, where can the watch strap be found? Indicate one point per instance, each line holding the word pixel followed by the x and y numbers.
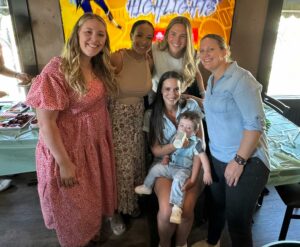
pixel 240 160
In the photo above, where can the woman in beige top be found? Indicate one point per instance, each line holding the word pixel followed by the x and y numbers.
pixel 127 109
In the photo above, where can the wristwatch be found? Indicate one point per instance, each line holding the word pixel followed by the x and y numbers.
pixel 240 160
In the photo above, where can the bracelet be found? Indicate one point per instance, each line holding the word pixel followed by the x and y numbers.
pixel 16 74
pixel 240 160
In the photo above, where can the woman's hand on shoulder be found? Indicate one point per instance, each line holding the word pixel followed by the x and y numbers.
pixel 197 99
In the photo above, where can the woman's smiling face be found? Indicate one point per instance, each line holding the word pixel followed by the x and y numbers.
pixel 92 37
pixel 211 55
pixel 171 91
pixel 142 38
pixel 177 40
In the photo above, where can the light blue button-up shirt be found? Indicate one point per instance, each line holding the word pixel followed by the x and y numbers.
pixel 231 106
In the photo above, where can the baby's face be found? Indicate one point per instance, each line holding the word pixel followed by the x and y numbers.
pixel 187 126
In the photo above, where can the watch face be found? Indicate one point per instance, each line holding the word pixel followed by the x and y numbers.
pixel 241 161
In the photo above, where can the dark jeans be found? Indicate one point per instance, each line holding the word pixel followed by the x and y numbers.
pixel 235 204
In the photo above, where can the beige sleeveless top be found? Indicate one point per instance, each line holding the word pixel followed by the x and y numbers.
pixel 134 80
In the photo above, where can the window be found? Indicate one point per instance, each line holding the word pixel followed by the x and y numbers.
pixel 284 78
pixel 10 54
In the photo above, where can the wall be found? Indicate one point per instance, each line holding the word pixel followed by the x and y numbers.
pixel 246 36
pixel 47 29
pixel 247 33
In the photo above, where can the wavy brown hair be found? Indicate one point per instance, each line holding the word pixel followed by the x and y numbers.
pixel 189 62
pixel 102 67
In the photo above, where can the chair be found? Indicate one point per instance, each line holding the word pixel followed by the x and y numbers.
pixel 290 195
pixel 277 105
pixel 283 244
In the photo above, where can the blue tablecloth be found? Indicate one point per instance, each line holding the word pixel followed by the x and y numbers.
pixel 17 153
pixel 284 148
pixel 17 149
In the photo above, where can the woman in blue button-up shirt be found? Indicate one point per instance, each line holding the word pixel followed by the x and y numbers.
pixel 163 126
pixel 237 141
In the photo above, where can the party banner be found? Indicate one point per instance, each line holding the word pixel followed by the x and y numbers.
pixel 206 16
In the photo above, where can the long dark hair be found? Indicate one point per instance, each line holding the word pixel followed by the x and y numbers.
pixel 158 109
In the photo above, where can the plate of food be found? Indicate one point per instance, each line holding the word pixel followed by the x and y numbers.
pixel 15 121
pixel 18 108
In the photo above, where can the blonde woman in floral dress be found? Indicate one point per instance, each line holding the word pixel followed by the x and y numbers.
pixel 74 155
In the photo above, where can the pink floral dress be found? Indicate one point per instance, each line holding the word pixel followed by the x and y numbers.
pixel 75 213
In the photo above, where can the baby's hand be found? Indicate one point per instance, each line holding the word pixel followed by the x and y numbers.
pixel 207 178
pixel 165 160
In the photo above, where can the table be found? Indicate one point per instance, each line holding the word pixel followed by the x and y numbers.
pixel 284 148
pixel 17 150
pixel 17 155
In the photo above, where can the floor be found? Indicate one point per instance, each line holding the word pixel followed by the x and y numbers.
pixel 21 222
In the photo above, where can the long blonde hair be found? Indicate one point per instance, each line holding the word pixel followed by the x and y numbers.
pixel 102 67
pixel 189 62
